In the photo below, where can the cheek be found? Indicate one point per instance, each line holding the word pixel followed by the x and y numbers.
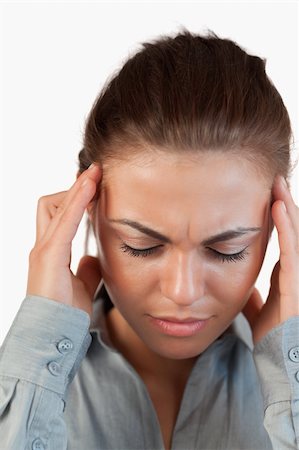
pixel 231 285
pixel 128 274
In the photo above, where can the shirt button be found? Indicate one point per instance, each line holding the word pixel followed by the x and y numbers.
pixel 37 444
pixel 65 346
pixel 294 354
pixel 297 376
pixel 54 368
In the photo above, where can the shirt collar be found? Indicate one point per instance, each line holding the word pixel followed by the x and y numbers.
pixel 98 326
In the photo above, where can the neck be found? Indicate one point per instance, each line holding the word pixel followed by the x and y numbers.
pixel 128 343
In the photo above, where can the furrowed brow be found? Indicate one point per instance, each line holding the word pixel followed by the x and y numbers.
pixel 142 229
pixel 225 236
pixel 230 234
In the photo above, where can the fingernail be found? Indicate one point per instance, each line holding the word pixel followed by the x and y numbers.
pixel 91 166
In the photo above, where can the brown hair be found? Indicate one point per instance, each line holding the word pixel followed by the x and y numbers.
pixel 190 92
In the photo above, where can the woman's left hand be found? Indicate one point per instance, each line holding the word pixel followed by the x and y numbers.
pixel 283 299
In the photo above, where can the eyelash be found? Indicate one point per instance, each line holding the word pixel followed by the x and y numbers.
pixel 220 256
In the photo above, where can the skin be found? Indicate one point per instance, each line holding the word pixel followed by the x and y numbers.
pixel 59 215
pixel 188 199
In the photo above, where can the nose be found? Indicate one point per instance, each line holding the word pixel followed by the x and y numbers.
pixel 182 279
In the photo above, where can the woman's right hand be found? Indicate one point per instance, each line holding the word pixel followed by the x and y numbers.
pixel 58 218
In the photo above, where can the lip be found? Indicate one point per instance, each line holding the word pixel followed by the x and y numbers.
pixel 173 326
pixel 181 320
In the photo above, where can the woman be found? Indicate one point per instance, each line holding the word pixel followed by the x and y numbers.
pixel 188 150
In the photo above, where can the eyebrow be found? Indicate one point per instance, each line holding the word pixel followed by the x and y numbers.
pixel 225 236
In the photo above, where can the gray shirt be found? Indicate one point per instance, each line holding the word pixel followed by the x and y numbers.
pixel 64 386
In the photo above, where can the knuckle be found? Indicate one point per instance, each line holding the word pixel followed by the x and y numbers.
pixel 41 201
pixel 33 256
pixel 40 253
pixel 44 201
pixel 54 199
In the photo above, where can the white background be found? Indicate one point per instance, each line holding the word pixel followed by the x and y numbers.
pixel 56 57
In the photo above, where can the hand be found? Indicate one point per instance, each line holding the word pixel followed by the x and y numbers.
pixel 58 218
pixel 283 299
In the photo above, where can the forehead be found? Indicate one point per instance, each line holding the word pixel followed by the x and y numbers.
pixel 170 188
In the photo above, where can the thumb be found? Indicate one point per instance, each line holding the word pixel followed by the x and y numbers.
pixel 89 271
pixel 253 306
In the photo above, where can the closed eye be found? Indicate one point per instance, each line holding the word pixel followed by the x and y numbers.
pixel 139 252
pixel 223 257
pixel 230 257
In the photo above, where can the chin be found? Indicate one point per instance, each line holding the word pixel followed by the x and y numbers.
pixel 178 348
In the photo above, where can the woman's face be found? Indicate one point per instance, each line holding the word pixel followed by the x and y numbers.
pixel 192 212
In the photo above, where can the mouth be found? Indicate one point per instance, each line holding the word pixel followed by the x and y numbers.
pixel 173 326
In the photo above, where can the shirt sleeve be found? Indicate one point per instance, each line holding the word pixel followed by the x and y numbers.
pixel 38 360
pixel 276 357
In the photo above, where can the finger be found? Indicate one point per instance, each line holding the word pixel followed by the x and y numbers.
pixel 49 207
pixel 89 271
pixel 253 306
pixel 289 259
pixel 287 237
pixel 282 192
pixel 69 214
pixel 71 193
pixel 46 210
pixel 63 231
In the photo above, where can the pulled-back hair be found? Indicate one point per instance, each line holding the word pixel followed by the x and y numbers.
pixel 190 92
